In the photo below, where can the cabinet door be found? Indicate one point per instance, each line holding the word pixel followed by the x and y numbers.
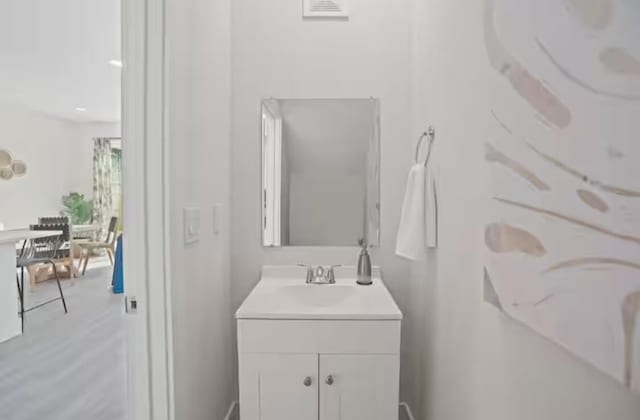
pixel 359 387
pixel 278 386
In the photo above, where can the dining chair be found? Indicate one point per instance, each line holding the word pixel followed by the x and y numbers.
pixel 53 220
pixel 109 245
pixel 38 252
pixel 64 254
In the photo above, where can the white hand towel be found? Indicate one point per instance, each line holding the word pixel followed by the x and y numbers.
pixel 419 218
pixel 431 207
pixel 411 233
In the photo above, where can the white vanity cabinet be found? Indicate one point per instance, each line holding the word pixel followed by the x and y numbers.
pixel 355 387
pixel 353 376
pixel 308 352
pixel 279 386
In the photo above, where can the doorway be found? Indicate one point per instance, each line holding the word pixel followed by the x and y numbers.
pixel 77 105
pixel 64 354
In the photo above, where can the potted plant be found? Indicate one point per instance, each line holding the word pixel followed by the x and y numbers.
pixel 77 208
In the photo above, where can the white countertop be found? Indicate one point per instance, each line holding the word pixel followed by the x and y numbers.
pixel 7 236
pixel 283 294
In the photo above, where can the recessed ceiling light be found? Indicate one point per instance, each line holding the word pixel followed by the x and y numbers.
pixel 116 63
pixel 81 109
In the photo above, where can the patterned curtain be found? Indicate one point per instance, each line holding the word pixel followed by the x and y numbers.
pixel 102 195
pixel 116 178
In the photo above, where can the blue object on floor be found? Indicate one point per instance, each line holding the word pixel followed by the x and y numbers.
pixel 118 276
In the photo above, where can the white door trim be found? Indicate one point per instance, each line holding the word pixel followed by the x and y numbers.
pixel 145 210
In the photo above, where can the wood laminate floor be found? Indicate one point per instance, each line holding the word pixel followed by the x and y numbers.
pixel 68 367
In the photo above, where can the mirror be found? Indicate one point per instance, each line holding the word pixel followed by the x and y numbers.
pixel 320 172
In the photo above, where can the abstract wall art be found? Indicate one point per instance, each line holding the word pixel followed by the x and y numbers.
pixel 563 152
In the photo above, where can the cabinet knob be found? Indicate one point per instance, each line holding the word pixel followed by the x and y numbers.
pixel 308 381
pixel 329 381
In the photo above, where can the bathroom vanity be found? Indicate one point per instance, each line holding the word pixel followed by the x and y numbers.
pixel 312 343
pixel 318 352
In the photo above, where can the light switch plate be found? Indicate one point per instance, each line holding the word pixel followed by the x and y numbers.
pixel 191 225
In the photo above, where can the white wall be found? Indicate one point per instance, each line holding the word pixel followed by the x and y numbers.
pixel 275 53
pixel 466 360
pixel 59 156
pixel 199 170
pixel 471 362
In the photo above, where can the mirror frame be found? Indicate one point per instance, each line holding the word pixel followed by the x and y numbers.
pixel 378 101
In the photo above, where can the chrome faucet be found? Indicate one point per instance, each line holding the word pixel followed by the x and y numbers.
pixel 320 275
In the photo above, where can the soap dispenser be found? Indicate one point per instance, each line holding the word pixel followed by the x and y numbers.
pixel 364 265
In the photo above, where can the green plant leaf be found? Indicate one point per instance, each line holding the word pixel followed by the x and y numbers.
pixel 77 208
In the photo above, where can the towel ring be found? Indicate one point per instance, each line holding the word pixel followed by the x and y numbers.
pixel 431 134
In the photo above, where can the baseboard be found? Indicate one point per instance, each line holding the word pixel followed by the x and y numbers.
pixel 231 412
pixel 234 405
pixel 407 410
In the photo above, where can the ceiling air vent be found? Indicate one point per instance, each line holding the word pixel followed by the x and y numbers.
pixel 325 8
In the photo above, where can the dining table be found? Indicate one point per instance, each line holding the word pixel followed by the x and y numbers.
pixel 10 325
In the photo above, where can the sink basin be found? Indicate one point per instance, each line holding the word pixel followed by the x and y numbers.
pixel 319 295
pixel 283 294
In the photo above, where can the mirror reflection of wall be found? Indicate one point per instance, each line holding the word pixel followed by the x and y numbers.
pixel 320 172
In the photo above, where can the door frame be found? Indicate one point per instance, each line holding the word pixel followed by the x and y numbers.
pixel 271 177
pixel 145 210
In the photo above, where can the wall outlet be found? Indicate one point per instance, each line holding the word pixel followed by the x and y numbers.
pixel 191 225
pixel 217 214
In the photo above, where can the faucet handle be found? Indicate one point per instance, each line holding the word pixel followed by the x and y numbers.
pixel 331 275
pixel 310 274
